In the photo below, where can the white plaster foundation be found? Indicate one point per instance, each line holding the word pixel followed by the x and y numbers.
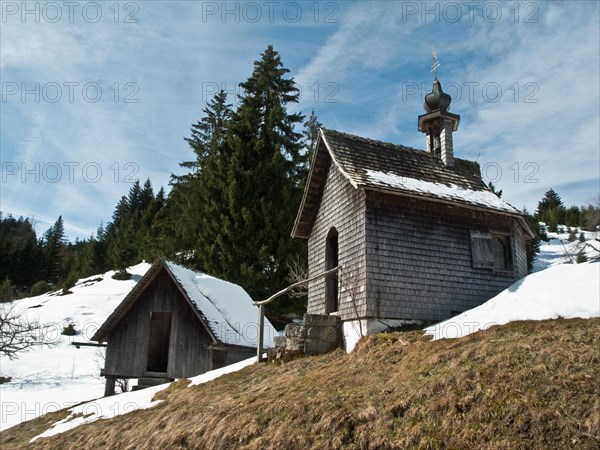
pixel 354 330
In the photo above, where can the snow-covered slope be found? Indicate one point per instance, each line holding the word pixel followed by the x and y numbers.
pixel 107 407
pixel 558 249
pixel 556 288
pixel 49 379
pixel 46 380
pixel 566 290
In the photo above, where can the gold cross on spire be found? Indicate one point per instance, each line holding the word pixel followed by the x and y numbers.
pixel 436 64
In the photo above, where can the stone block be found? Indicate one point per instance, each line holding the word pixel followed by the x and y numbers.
pixel 325 333
pixel 294 344
pixel 294 330
pixel 279 341
pixel 320 320
pixel 319 347
pixel 273 353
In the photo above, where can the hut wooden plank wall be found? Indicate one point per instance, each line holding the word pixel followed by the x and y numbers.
pixel 129 351
pixel 419 235
pixel 160 329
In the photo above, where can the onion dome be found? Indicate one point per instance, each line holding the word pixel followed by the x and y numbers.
pixel 437 99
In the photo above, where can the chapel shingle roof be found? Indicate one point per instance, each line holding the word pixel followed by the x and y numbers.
pixel 376 165
pixel 357 155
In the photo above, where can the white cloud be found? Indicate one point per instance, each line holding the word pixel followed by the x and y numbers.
pixel 153 55
pixel 559 133
pixel 368 39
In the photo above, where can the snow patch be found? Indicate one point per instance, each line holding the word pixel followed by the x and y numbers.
pixel 566 290
pixel 228 309
pixel 486 199
pixel 108 407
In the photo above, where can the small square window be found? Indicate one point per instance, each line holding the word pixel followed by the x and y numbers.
pixel 491 251
pixel 502 253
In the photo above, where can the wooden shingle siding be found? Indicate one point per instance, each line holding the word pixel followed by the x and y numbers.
pixel 420 262
pixel 417 239
pixel 343 207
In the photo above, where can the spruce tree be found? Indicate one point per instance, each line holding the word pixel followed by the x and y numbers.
pixel 26 263
pixel 20 252
pixel 121 231
pixel 89 256
pixel 551 200
pixel 158 244
pixel 180 228
pixel 573 216
pixel 152 244
pixel 251 191
pixel 311 133
pixel 591 215
pixel 532 246
pixel 54 251
pixel 494 189
pixel 208 134
pixel 146 200
pixel 551 210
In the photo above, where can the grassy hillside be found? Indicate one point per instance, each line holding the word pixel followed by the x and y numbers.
pixel 523 385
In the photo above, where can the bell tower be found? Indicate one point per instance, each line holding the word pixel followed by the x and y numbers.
pixel 438 124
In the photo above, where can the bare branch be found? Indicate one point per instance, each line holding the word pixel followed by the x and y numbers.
pixel 289 288
pixel 122 384
pixel 18 334
pixel 350 284
pixel 298 272
pixel 593 247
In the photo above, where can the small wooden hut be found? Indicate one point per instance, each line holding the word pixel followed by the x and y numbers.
pixel 177 323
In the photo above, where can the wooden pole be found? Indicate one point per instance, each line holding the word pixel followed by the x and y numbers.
pixel 292 286
pixel 261 332
pixel 109 387
pixel 261 312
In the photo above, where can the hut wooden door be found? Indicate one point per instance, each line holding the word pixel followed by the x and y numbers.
pixel 158 342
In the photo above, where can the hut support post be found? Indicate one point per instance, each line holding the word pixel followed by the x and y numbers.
pixel 109 387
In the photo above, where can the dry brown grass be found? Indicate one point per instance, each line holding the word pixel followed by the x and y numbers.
pixel 20 435
pixel 524 385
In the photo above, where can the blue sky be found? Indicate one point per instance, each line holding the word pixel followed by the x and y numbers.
pixel 98 94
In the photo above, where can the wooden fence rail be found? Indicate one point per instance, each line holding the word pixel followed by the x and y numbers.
pixel 262 303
